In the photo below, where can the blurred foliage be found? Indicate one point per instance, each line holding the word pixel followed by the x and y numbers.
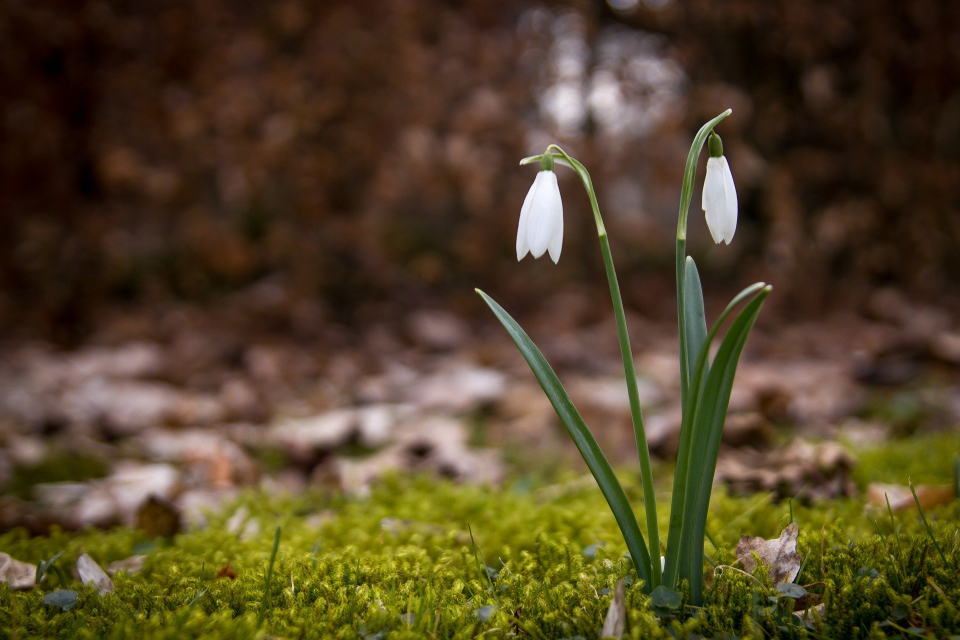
pixel 56 466
pixel 364 153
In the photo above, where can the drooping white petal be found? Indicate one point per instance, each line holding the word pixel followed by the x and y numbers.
pixel 730 191
pixel 556 243
pixel 544 219
pixel 720 200
pixel 523 247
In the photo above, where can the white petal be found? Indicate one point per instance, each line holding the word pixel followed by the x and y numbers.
pixel 545 215
pixel 730 208
pixel 714 199
pixel 522 246
pixel 556 243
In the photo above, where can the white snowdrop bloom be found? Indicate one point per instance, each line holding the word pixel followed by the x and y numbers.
pixel 719 195
pixel 541 218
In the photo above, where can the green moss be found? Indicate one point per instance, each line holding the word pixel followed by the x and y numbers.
pixel 401 564
pixel 925 459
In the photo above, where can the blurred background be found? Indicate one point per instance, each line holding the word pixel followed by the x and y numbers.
pixel 260 226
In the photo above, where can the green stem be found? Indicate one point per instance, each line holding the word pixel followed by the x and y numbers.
pixel 643 450
pixel 683 456
pixel 686 195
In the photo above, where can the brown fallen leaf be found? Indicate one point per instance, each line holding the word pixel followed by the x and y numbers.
pixel 616 614
pixel 158 517
pixel 91 573
pixel 800 469
pixel 811 614
pixel 901 498
pixel 19 575
pixel 226 572
pixel 779 554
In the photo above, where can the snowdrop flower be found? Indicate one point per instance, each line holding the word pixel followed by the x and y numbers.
pixel 719 194
pixel 541 217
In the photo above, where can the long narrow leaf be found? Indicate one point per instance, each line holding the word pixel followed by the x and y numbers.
pixel 708 427
pixel 677 553
pixel 696 319
pixel 694 326
pixel 582 437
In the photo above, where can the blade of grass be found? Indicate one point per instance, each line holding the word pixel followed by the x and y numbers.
pixel 266 588
pixel 582 438
pixel 926 524
pixel 199 595
pixel 481 561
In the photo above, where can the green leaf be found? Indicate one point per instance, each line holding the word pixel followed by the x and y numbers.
pixel 582 438
pixel 791 590
pixel 676 555
pixel 708 420
pixel 43 565
pixel 695 323
pixel 63 598
pixel 665 600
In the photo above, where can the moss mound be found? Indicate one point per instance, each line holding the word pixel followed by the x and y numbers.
pixel 541 562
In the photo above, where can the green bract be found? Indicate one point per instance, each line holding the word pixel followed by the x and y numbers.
pixel 705 394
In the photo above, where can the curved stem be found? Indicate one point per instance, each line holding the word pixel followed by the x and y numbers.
pixel 686 195
pixel 646 468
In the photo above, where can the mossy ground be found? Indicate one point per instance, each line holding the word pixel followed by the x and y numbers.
pixel 402 564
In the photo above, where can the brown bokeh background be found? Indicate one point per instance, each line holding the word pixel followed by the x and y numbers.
pixel 239 241
pixel 362 156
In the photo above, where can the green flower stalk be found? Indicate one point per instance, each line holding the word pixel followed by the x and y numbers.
pixel 705 385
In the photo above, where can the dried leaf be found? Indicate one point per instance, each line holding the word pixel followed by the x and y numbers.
pixel 19 575
pixel 616 614
pixel 158 517
pixel 226 572
pixel 811 614
pixel 900 497
pixel 779 554
pixel 131 565
pixel 235 523
pixel 91 573
pixel 801 469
